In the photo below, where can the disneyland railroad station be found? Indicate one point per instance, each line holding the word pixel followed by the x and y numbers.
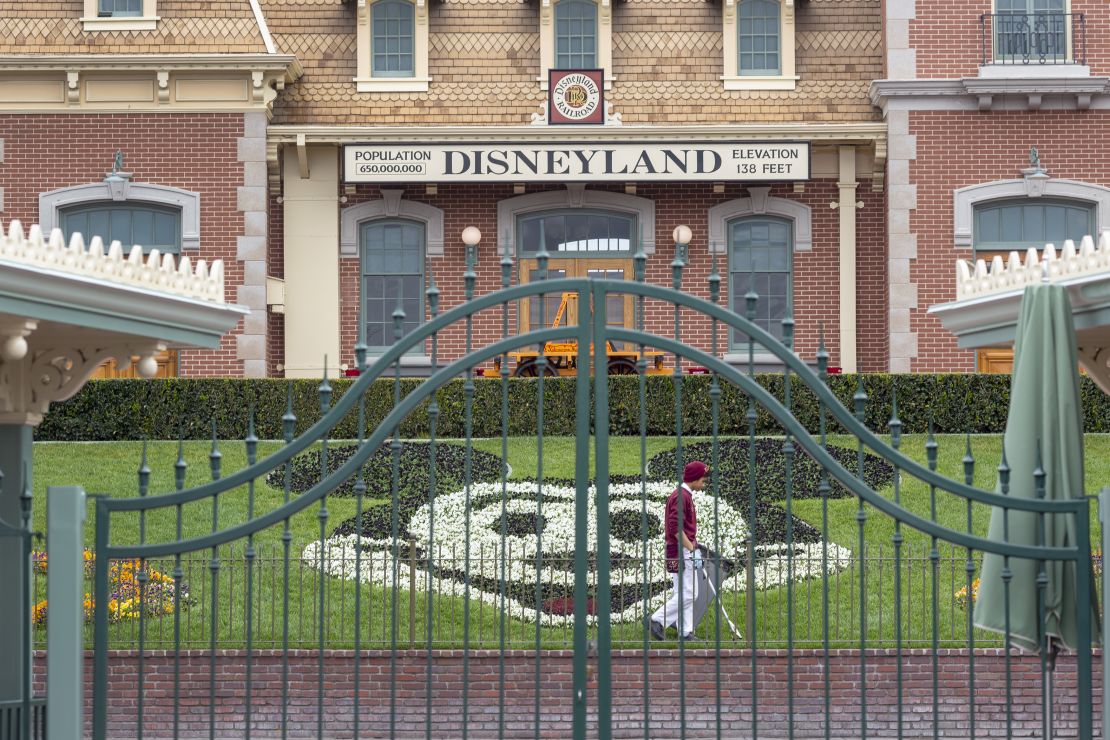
pixel 332 152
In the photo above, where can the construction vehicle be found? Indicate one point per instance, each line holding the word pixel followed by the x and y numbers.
pixel 562 356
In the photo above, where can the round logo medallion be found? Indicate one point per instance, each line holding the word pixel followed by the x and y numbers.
pixel 576 97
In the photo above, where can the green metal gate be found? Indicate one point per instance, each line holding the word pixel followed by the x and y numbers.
pixel 610 692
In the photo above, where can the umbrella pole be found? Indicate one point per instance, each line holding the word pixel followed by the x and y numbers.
pixel 1048 678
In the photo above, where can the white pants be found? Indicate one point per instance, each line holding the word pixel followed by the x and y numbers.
pixel 668 614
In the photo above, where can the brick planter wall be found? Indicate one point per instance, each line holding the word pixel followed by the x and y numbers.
pixel 556 693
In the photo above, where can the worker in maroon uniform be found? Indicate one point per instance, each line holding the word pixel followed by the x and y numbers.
pixel 679 609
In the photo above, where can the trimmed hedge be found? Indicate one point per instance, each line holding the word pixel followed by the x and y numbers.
pixel 167 408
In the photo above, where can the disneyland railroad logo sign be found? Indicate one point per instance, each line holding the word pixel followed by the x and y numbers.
pixel 576 96
pixel 548 161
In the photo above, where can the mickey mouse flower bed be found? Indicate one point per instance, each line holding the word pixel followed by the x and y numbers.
pixel 509 524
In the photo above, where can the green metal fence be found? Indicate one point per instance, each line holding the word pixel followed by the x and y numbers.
pixel 488 592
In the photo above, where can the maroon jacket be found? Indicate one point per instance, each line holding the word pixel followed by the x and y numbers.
pixel 690 525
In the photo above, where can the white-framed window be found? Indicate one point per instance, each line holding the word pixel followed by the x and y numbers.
pixel 120 15
pixel 392 46
pixel 759 45
pixel 576 34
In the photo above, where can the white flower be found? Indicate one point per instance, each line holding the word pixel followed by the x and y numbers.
pixel 468 554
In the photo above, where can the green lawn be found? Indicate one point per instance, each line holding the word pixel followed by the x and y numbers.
pixel 110 468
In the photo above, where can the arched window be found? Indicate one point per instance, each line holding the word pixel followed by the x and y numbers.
pixel 152 226
pixel 577 233
pixel 393 38
pixel 576 35
pixel 759 41
pixel 392 275
pixel 1001 226
pixel 760 253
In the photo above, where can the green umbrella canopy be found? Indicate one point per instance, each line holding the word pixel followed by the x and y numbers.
pixel 1045 419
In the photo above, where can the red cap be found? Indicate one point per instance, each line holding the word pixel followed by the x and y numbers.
pixel 695 470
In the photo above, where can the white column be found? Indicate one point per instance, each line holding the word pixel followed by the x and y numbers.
pixel 847 208
pixel 311 209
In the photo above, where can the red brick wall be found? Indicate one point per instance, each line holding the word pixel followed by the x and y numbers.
pixel 946 35
pixel 664 690
pixel 816 273
pixel 995 146
pixel 196 152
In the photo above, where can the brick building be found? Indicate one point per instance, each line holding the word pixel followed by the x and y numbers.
pixel 992 110
pixel 331 152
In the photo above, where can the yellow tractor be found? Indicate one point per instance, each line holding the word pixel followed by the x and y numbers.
pixel 562 357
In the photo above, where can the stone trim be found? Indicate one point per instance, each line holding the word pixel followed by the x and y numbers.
pixel 1030 92
pixel 901 58
pixel 965 199
pixel 52 202
pixel 252 202
pixel 391 205
pixel 757 204
pixel 902 250
pixel 510 209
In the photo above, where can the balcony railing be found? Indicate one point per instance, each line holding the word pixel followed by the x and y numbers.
pixel 1033 38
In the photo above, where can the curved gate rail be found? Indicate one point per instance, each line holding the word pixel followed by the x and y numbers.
pixel 590 693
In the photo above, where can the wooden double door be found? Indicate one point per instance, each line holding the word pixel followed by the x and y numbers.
pixel 619 309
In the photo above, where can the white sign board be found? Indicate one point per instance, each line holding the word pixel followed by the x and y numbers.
pixel 581 161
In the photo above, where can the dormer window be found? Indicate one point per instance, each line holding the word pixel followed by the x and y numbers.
pixel 120 9
pixel 120 15
pixel 576 34
pixel 392 46
pixel 759 45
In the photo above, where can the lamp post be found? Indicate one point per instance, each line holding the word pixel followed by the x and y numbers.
pixel 470 237
pixel 682 236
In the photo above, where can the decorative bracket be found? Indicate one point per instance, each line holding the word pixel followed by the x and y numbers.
pixel 29 384
pixel 73 87
pixel 878 168
pixel 612 117
pixel 163 87
pixel 540 119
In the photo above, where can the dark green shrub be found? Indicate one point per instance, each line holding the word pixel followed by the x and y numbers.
pixel 167 408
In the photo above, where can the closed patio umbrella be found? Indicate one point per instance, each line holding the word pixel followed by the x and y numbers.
pixel 1045 423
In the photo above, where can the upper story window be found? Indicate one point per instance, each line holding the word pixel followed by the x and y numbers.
pixel 760 37
pixel 120 8
pixel 392 42
pixel 151 226
pixel 576 34
pixel 1002 226
pixel 1024 29
pixel 759 45
pixel 393 46
pixel 120 15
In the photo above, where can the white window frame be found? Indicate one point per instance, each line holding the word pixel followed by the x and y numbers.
pixel 148 21
pixel 604 40
pixel 787 78
pixel 51 204
pixel 366 81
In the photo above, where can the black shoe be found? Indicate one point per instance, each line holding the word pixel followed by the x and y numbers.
pixel 691 638
pixel 656 629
